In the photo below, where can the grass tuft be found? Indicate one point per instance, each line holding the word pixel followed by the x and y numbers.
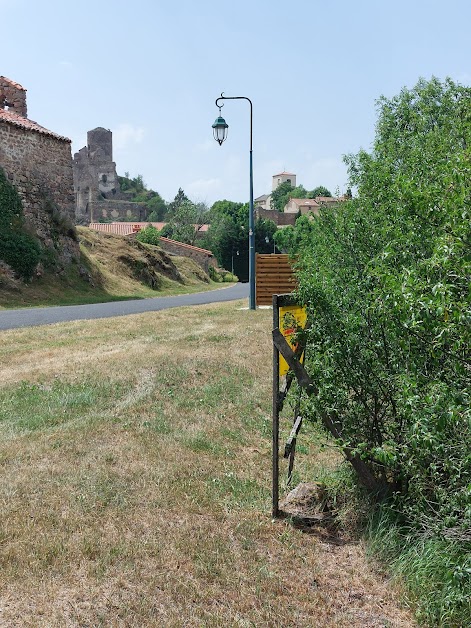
pixel 435 572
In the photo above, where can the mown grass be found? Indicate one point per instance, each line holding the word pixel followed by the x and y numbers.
pixel 135 486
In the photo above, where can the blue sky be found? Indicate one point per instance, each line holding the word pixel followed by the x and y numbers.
pixel 150 70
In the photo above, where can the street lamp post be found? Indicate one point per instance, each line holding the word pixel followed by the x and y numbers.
pixel 220 133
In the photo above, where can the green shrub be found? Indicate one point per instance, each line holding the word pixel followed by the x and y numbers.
pixel 219 275
pixel 18 248
pixel 20 251
pixel 149 235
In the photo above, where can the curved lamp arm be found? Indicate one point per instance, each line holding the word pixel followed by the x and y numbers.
pixel 219 105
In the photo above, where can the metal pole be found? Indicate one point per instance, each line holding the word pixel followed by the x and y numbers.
pixel 251 211
pixel 251 233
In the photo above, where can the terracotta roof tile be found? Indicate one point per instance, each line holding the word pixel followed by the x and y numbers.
pixel 118 228
pixel 326 199
pixel 305 201
pixel 12 83
pixel 128 228
pixel 188 246
pixel 27 124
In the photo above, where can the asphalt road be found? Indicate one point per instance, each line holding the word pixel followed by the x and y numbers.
pixel 12 319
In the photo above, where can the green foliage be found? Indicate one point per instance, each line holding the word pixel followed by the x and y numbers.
pixel 320 190
pixel 227 236
pixel 141 194
pixel 284 192
pixel 436 572
pixel 180 199
pixel 386 280
pixel 185 218
pixel 281 196
pixel 128 184
pixel 18 248
pixel 291 239
pixel 149 235
pixel 219 275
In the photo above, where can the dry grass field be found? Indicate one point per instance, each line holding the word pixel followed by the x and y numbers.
pixel 135 483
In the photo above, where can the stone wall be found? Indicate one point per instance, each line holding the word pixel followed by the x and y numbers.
pixel 281 219
pixel 39 164
pixel 202 257
pixel 117 210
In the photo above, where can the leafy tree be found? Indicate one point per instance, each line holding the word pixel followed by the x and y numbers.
pixel 280 196
pixel 227 208
pixel 291 239
pixel 180 199
pixel 283 193
pixel 149 235
pixel 386 281
pixel 140 194
pixel 228 236
pixel 135 184
pixel 320 190
pixel 185 220
pixel 157 205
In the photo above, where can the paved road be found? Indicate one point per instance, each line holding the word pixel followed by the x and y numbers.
pixel 11 319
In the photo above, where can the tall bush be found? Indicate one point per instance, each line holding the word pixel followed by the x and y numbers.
pixel 386 280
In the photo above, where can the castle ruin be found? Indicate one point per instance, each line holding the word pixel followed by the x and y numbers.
pixel 98 195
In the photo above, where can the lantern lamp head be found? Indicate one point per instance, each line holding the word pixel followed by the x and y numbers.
pixel 220 129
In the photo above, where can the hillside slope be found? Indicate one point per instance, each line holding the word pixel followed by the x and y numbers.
pixel 111 267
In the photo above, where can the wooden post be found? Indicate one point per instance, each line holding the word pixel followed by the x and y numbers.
pixel 276 417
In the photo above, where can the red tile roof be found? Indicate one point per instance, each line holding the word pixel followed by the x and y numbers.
pixel 119 228
pixel 12 83
pixel 284 172
pixel 28 125
pixel 305 201
pixel 326 199
pixel 128 228
pixel 187 246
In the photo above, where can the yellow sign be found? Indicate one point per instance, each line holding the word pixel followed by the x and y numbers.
pixel 292 318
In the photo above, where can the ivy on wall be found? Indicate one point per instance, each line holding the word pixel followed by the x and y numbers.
pixel 18 248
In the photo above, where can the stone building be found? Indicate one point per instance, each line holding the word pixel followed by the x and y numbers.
pixel 283 177
pixel 97 192
pixel 39 163
pixel 264 201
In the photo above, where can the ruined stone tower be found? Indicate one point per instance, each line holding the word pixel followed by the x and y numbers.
pixel 97 192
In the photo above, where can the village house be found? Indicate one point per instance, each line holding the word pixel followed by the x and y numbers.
pixel 295 206
pixel 302 206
